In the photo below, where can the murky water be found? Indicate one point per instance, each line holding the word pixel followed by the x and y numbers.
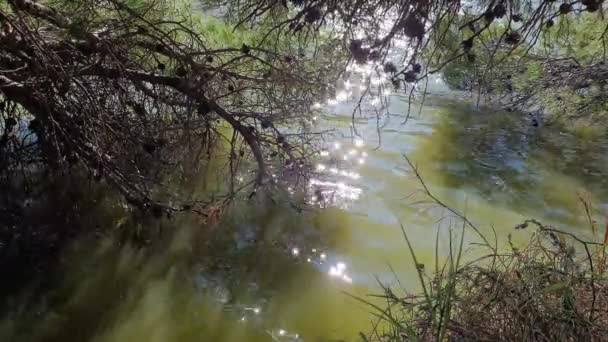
pixel 270 274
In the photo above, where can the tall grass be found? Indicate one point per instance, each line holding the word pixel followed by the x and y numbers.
pixel 554 288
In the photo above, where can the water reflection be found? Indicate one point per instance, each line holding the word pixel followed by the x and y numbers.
pixel 281 335
pixel 334 183
pixel 514 164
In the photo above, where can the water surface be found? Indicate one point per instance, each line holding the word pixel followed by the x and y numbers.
pixel 269 273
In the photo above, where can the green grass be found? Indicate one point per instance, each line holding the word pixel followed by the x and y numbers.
pixel 552 289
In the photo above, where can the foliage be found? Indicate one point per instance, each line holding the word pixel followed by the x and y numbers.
pixel 130 91
pixel 560 74
pixel 512 53
pixel 134 91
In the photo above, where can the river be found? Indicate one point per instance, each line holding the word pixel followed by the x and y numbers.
pixel 271 274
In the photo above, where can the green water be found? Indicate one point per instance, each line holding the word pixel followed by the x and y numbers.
pixel 268 273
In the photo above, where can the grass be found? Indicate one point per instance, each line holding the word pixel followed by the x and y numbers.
pixel 554 288
pixel 587 130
